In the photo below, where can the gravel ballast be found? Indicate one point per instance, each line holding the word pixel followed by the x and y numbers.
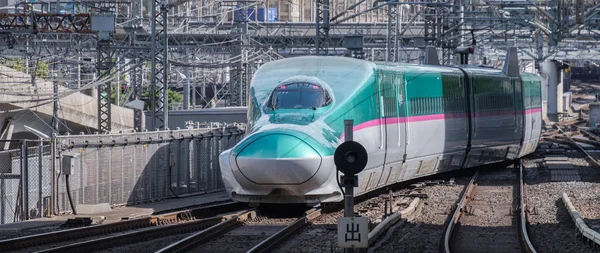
pixel 551 229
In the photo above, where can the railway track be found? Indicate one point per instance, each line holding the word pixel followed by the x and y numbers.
pixel 573 141
pixel 248 234
pixel 102 236
pixel 582 196
pixel 485 220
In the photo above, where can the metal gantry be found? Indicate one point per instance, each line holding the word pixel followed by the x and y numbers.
pixel 238 83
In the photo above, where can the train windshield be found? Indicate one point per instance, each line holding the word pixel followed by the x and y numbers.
pixel 299 96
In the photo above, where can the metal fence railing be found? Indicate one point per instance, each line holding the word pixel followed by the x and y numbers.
pixel 117 169
pixel 25 180
pixel 140 167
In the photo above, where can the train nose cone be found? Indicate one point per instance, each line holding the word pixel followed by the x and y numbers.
pixel 278 159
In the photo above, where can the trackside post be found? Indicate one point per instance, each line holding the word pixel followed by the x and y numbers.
pixel 351 158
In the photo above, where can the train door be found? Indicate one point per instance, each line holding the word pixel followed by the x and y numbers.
pixel 532 117
pixel 372 136
pixel 520 118
pixel 535 111
pixel 383 111
pixel 401 102
pixel 527 126
pixel 395 125
pixel 391 104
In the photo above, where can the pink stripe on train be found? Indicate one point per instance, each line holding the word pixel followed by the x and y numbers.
pixel 534 110
pixel 436 117
pixel 396 120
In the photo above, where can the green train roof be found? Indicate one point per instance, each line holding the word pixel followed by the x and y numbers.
pixel 345 75
pixel 415 68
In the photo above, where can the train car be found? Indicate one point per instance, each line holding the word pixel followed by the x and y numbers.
pixel 413 120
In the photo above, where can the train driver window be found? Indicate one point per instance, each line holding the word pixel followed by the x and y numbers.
pixel 299 96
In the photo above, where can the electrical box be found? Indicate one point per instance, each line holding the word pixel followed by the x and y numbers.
pixel 67 164
pixel 104 24
pixel 353 42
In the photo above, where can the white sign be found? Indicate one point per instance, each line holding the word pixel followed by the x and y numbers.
pixel 353 232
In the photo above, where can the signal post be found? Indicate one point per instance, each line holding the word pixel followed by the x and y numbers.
pixel 351 158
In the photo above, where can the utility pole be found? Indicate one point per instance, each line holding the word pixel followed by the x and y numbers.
pixel 118 91
pixel 186 89
pixel 55 106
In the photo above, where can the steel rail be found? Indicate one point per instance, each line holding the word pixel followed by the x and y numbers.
pixel 286 232
pixel 71 234
pixel 445 245
pixel 570 141
pixel 198 238
pixel 526 245
pixel 136 236
pixel 525 242
pixel 589 134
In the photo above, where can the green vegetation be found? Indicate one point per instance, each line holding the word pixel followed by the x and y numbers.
pixel 173 96
pixel 19 65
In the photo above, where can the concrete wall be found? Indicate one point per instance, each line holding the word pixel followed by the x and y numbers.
pixel 567 98
pixel 566 80
pixel 16 92
pixel 553 79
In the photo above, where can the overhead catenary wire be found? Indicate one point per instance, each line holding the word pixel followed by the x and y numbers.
pixel 63 94
pixel 93 84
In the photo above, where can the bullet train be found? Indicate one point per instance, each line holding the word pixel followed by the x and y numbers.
pixel 413 120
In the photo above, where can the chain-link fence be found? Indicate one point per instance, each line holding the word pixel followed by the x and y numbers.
pixel 140 167
pixel 25 180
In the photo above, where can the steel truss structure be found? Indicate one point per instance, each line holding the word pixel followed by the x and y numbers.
pixel 104 66
pixel 322 31
pixel 392 38
pixel 223 42
pixel 159 66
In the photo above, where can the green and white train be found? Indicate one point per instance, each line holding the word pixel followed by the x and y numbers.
pixel 414 120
